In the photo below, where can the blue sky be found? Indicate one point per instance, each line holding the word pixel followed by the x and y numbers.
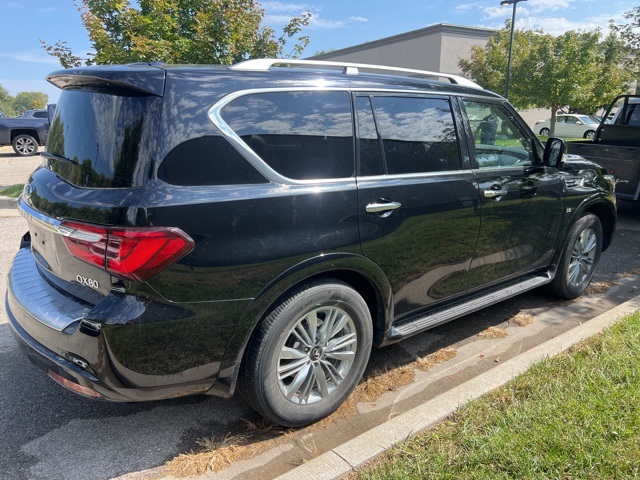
pixel 335 24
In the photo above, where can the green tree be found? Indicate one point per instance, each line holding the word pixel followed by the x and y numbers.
pixel 181 31
pixel 29 100
pixel 6 102
pixel 579 71
pixel 631 33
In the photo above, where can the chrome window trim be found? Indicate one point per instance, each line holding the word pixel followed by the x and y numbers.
pixel 215 115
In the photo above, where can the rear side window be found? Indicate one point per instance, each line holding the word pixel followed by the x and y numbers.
pixel 301 135
pixel 208 160
pixel 418 134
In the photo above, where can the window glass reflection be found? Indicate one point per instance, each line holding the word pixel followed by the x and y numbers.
pixel 301 135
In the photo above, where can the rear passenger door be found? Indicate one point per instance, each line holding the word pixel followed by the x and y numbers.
pixel 521 200
pixel 417 197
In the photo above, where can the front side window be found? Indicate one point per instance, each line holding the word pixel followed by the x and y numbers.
pixel 301 135
pixel 498 138
pixel 418 134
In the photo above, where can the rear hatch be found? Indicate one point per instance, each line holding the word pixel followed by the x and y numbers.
pixel 100 149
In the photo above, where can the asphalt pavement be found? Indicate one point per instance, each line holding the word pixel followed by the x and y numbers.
pixel 49 433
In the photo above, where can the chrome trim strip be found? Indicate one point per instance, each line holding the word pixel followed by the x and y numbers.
pixel 49 223
pixel 54 225
pixel 215 115
pixel 264 64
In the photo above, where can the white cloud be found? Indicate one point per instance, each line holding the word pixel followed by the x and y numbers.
pixel 358 19
pixel 538 6
pixel 31 57
pixel 465 7
pixel 283 7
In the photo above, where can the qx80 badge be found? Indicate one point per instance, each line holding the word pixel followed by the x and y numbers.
pixel 88 282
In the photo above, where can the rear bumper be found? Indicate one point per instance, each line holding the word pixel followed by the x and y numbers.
pixel 95 350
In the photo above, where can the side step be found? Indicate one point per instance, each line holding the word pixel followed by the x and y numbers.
pixel 461 308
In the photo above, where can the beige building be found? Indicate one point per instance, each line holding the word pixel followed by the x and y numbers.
pixel 436 48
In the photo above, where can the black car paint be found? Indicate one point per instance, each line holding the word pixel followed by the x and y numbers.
pixel 186 330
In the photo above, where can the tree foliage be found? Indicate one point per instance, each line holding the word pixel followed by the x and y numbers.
pixel 11 106
pixel 181 31
pixel 630 32
pixel 578 71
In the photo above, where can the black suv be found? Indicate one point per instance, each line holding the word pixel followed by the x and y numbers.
pixel 197 229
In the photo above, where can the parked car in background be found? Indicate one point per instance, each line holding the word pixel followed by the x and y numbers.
pixel 583 126
pixel 38 113
pixel 196 229
pixel 26 134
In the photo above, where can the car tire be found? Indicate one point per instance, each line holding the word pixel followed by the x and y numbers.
pixel 308 354
pixel 591 135
pixel 25 145
pixel 580 256
pixel 544 132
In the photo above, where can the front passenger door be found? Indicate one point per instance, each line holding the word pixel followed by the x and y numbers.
pixel 520 199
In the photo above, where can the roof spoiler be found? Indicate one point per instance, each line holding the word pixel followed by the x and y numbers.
pixel 129 80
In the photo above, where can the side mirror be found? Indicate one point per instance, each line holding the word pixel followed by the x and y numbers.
pixel 554 152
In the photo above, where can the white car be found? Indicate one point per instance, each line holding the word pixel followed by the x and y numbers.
pixel 570 126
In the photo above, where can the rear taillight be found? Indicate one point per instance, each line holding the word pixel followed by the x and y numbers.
pixel 134 253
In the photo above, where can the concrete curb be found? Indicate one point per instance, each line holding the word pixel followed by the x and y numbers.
pixel 7 203
pixel 355 453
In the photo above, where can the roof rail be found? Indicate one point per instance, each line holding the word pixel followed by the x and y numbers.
pixel 264 64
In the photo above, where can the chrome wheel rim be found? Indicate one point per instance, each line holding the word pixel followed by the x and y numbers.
pixel 25 146
pixel 583 257
pixel 317 355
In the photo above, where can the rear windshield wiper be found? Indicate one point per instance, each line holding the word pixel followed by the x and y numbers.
pixel 53 156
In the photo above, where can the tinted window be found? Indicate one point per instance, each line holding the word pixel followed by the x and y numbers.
pixel 109 139
pixel 418 134
pixel 301 135
pixel 40 114
pixel 207 160
pixel 371 162
pixel 499 139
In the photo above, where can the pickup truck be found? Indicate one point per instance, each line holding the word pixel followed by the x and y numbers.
pixel 616 145
pixel 25 134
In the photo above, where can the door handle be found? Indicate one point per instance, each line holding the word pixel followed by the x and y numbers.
pixel 495 193
pixel 383 209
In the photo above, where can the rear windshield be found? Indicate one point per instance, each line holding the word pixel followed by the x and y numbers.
pixel 108 140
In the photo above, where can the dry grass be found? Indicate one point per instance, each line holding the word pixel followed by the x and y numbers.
pixel 522 319
pixel 217 454
pixel 596 288
pixel 442 355
pixel 492 333
pixel 384 381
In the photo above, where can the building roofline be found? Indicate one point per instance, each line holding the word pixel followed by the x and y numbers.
pixel 432 29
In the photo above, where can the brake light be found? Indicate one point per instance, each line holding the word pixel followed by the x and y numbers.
pixel 134 253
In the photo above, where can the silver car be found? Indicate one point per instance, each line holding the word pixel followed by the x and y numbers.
pixel 583 126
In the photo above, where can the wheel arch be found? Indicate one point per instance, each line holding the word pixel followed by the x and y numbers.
pixel 359 272
pixel 606 213
pixel 25 131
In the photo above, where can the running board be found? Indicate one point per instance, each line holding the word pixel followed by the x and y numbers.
pixel 468 305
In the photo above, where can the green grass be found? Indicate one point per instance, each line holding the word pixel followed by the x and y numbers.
pixel 576 416
pixel 12 191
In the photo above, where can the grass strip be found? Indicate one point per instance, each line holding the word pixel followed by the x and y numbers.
pixel 575 416
pixel 12 191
